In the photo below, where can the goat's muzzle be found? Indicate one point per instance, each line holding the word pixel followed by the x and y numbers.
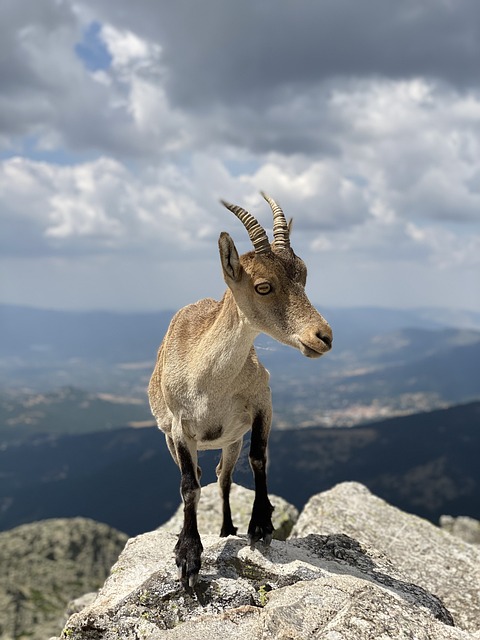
pixel 314 343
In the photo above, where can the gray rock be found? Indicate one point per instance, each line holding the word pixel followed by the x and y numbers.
pixel 326 587
pixel 45 564
pixel 418 551
pixel 241 501
pixel 463 527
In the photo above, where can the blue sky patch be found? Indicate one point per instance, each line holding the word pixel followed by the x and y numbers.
pixel 92 50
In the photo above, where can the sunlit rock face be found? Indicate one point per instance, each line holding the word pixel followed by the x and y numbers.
pixel 354 566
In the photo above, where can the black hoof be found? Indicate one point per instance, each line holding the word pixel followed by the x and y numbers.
pixel 228 530
pixel 188 553
pixel 260 533
pixel 261 527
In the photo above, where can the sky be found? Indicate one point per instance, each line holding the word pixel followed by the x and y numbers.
pixel 123 123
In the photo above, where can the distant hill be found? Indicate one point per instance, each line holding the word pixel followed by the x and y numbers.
pixel 66 411
pixel 43 565
pixel 125 337
pixel 391 374
pixel 61 335
pixel 450 369
pixel 424 463
pixel 42 350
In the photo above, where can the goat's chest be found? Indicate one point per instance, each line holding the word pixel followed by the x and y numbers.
pixel 219 422
pixel 216 411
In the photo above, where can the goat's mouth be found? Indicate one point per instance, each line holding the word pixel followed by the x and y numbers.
pixel 309 352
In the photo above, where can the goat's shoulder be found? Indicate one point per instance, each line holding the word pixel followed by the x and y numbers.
pixel 197 317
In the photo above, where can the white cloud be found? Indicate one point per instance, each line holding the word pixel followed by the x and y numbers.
pixel 128 50
pixel 415 145
pixel 101 206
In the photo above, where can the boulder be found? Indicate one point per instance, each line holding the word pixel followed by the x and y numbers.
pixel 209 512
pixel 418 551
pixel 330 586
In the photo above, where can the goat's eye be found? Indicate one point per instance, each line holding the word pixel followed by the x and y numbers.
pixel 263 288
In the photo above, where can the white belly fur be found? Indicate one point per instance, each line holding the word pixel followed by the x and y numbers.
pixel 222 425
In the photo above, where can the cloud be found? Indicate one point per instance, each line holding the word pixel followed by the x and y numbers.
pixel 222 53
pixel 56 93
pixel 416 144
pixel 101 207
pixel 122 125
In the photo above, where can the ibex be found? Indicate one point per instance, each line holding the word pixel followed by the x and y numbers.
pixel 208 387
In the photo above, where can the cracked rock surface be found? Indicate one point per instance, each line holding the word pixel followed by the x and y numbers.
pixel 334 579
pixel 422 553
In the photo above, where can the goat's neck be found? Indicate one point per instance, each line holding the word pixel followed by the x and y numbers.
pixel 228 341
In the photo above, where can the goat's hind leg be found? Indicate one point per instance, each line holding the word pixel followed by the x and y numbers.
pixel 224 472
pixel 188 549
pixel 260 527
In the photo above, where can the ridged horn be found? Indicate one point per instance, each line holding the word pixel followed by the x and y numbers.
pixel 281 236
pixel 257 234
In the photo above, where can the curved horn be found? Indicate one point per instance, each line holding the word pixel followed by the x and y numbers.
pixel 280 226
pixel 257 234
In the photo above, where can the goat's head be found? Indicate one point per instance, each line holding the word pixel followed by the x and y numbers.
pixel 268 285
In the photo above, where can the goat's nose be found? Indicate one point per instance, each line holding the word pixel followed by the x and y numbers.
pixel 326 336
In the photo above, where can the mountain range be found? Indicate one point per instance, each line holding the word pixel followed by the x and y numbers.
pixel 384 362
pixel 74 384
pixel 425 463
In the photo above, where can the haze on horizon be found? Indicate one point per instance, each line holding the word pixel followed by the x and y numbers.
pixel 122 125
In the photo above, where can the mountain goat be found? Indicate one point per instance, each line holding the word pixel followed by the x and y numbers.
pixel 208 387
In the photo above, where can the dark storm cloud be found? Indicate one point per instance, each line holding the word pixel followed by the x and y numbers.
pixel 17 18
pixel 247 51
pixel 25 93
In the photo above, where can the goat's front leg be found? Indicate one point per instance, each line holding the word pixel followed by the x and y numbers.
pixel 260 527
pixel 188 549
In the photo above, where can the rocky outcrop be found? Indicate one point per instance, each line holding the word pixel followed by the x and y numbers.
pixel 355 568
pixel 45 564
pixel 421 552
pixel 241 500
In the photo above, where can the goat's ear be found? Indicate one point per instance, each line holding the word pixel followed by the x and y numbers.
pixel 290 227
pixel 232 269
